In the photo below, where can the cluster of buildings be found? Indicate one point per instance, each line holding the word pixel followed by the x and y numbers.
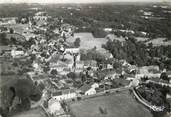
pixel 8 21
pixel 54 59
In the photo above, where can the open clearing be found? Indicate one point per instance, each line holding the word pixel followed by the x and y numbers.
pixel 159 41
pixel 120 104
pixel 16 35
pixel 88 41
pixel 19 28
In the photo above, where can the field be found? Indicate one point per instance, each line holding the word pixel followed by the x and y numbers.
pixel 120 104
pixel 36 112
pixel 16 35
pixel 18 27
pixel 141 38
pixel 159 41
pixel 88 41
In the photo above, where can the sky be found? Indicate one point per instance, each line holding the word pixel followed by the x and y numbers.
pixel 77 1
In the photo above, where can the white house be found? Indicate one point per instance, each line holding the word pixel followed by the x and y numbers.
pixel 149 75
pixel 90 63
pixel 17 53
pixel 148 13
pixel 107 29
pixel 72 50
pixel 65 94
pixel 91 91
pixel 109 66
pixel 135 82
pixel 41 16
pixel 95 85
pixel 54 107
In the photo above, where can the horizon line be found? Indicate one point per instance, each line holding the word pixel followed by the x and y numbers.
pixel 82 2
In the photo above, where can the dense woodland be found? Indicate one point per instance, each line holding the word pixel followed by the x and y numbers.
pixel 92 17
pixel 138 53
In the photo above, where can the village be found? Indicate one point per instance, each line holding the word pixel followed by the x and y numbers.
pixel 50 53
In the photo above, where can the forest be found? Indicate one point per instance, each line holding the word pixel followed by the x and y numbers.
pixel 138 53
pixel 95 17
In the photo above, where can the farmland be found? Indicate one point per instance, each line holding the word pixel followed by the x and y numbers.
pixel 159 41
pixel 19 28
pixel 88 41
pixel 122 104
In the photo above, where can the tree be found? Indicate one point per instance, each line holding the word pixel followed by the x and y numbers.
pixel 11 30
pixel 132 51
pixel 54 72
pixel 164 76
pixel 26 90
pixel 71 75
pixel 77 42
pixel 13 40
pixel 3 39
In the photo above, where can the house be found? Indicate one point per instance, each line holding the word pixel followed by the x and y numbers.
pixel 143 33
pixel 148 69
pixel 164 7
pixel 65 94
pixel 134 83
pixel 17 53
pixel 149 75
pixel 132 69
pixel 54 107
pixel 85 89
pixel 95 85
pixel 36 66
pixel 107 29
pixel 58 85
pixel 41 16
pixel 106 84
pixel 147 13
pixel 128 31
pixel 56 31
pixel 109 66
pixel 72 50
pixel 112 76
pixel 67 30
pixel 61 67
pixel 8 20
pixel 79 64
pixel 91 91
pixel 90 63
